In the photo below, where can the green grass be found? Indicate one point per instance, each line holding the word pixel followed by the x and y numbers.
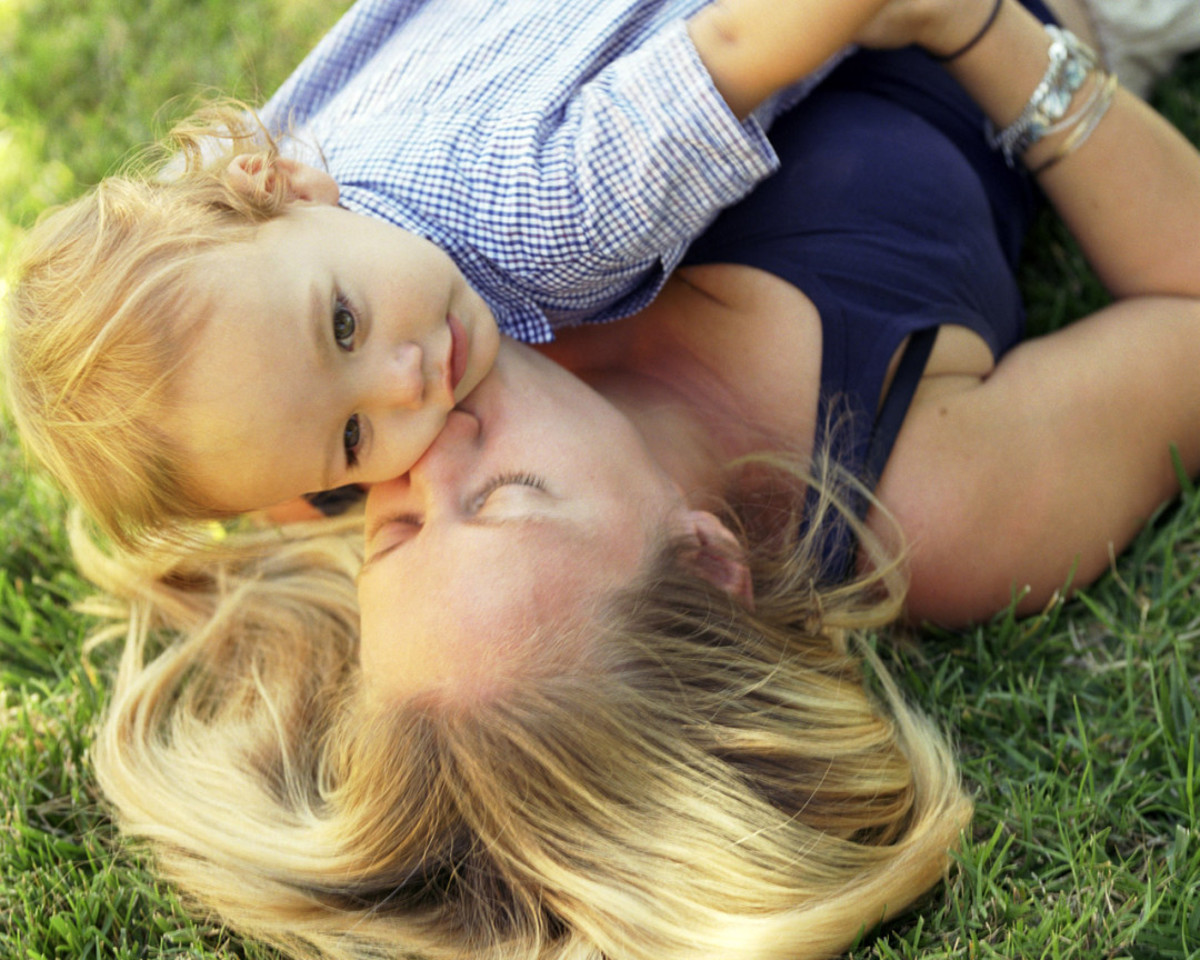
pixel 1077 729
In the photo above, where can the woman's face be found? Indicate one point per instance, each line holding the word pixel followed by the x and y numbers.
pixel 537 497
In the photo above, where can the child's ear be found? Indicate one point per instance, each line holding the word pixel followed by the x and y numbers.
pixel 301 181
pixel 308 183
pixel 719 558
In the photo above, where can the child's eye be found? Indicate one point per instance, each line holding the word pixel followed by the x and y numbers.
pixel 350 438
pixel 344 324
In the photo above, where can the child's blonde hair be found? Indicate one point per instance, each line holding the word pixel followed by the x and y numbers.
pixel 714 781
pixel 100 317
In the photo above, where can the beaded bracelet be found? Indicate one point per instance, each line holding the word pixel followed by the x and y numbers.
pixel 1071 61
pixel 1088 119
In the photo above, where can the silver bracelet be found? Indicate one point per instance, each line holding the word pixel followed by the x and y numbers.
pixel 1071 61
pixel 1086 120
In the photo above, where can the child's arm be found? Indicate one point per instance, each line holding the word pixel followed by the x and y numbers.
pixel 753 48
pixel 568 180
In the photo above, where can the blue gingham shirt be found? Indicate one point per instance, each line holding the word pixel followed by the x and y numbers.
pixel 563 154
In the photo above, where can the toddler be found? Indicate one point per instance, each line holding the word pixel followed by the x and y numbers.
pixel 251 327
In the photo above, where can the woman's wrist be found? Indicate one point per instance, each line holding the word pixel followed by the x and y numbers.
pixel 1051 107
pixel 1004 69
pixel 1042 89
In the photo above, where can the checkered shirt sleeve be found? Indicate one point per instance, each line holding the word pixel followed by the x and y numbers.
pixel 564 161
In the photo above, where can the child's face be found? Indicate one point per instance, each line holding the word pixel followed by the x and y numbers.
pixel 332 348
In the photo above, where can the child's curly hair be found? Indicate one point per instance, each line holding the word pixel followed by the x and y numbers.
pixel 99 317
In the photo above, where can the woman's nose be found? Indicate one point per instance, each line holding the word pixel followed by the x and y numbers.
pixel 450 454
pixel 396 380
pixel 439 473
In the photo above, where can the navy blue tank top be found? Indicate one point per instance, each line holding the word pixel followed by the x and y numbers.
pixel 892 215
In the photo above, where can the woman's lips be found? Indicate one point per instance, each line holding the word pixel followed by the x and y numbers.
pixel 459 351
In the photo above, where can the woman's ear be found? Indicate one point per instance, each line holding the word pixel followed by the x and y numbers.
pixel 719 558
pixel 301 181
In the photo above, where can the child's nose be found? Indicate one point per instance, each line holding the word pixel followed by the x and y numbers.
pixel 398 380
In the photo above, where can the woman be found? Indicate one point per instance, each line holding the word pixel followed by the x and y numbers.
pixel 640 732
pixel 996 445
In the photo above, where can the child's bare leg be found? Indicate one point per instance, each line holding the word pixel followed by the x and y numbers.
pixel 1016 480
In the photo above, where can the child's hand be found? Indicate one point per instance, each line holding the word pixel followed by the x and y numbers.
pixel 940 26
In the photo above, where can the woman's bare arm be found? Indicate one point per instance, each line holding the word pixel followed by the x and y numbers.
pixel 1014 483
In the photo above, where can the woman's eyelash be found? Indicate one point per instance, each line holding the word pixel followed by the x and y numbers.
pixel 505 479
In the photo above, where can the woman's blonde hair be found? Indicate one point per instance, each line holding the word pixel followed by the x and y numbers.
pixel 714 781
pixel 99 316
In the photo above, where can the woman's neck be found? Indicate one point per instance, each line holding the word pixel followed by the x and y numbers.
pixel 723 363
pixel 674 422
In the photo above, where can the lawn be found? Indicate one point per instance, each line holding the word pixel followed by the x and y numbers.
pixel 1077 728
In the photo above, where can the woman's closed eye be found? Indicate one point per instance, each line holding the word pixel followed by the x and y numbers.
pixel 478 501
pixel 392 532
pixel 500 481
pixel 397 529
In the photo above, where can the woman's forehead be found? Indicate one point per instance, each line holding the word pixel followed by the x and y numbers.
pixel 522 598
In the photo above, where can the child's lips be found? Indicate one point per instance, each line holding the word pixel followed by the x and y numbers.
pixel 456 365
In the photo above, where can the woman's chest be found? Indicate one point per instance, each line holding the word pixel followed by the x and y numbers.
pixel 760 337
